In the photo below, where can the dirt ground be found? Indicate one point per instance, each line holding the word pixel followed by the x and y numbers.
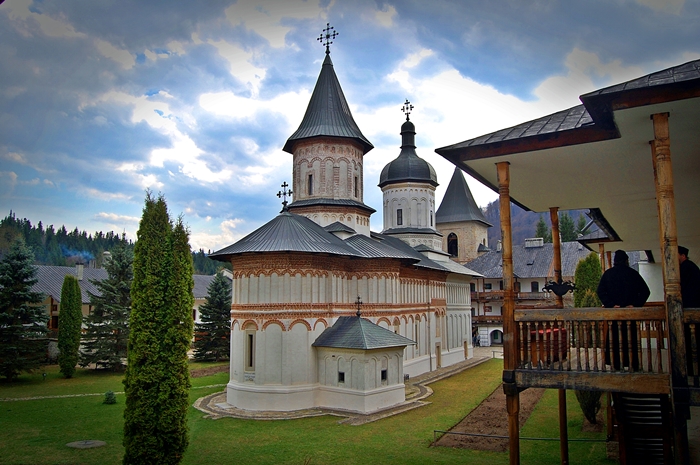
pixel 200 372
pixel 490 417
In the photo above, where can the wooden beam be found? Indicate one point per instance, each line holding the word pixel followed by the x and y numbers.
pixel 668 237
pixel 641 383
pixel 601 252
pixel 510 343
pixel 556 265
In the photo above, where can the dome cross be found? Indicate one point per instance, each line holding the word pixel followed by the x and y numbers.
pixel 406 108
pixel 326 36
pixel 283 195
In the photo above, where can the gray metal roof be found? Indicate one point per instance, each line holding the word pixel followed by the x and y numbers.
pixel 370 247
pixel 408 166
pixel 331 202
pixel 50 280
pixel 201 285
pixel 339 227
pixel 287 232
pixel 352 332
pixel 564 120
pixel 412 230
pixel 458 203
pixel 531 262
pixel 328 113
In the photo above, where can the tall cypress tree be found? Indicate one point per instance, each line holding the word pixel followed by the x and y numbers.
pixel 157 381
pixel 70 318
pixel 587 277
pixel 22 320
pixel 107 327
pixel 213 334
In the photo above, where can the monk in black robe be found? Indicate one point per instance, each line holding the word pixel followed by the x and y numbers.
pixel 621 286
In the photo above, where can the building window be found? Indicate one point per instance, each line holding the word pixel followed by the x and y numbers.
pixel 431 219
pixel 384 376
pixel 452 245
pixel 250 351
pixel 500 285
pixel 472 287
pixel 310 187
pixel 535 286
pixel 399 217
pixel 357 189
pixel 341 377
pixel 517 286
pixel 487 286
pixel 487 309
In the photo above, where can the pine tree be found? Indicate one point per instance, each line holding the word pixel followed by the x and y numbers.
pixel 157 380
pixel 70 318
pixel 107 327
pixel 543 231
pixel 22 321
pixel 587 277
pixel 567 229
pixel 213 335
pixel 580 224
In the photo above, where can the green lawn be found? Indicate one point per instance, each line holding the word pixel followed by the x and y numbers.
pixel 36 431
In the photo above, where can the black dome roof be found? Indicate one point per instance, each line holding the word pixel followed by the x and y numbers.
pixel 408 166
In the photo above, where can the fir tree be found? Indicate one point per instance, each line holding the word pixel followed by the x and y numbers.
pixel 543 231
pixel 567 229
pixel 70 318
pixel 22 321
pixel 107 327
pixel 213 334
pixel 587 277
pixel 580 224
pixel 157 380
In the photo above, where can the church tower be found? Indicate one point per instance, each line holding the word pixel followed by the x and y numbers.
pixel 408 185
pixel 461 222
pixel 328 150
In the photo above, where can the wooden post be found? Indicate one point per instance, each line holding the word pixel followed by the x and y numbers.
pixel 510 336
pixel 601 252
pixel 668 237
pixel 556 264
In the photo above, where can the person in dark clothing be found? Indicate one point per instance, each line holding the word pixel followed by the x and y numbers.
pixel 621 286
pixel 690 280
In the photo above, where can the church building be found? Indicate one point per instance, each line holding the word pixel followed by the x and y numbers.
pixel 325 312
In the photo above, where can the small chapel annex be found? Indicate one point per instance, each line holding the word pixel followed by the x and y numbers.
pixel 325 312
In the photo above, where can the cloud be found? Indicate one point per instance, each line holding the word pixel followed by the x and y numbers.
pixel 668 6
pixel 8 180
pixel 116 218
pixel 216 240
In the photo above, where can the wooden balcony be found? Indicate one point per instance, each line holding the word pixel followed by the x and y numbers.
pixel 487 319
pixel 490 296
pixel 603 349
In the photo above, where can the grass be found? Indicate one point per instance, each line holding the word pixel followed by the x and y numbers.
pixel 36 431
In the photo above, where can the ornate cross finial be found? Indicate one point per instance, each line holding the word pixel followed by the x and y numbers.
pixel 326 36
pixel 283 195
pixel 406 108
pixel 358 302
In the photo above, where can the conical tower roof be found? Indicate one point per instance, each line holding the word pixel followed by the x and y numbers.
pixel 328 113
pixel 458 203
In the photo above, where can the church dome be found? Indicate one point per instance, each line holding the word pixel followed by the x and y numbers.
pixel 408 166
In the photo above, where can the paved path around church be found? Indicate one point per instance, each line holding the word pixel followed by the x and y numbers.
pixel 417 390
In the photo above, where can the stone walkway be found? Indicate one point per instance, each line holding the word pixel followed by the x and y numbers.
pixel 215 406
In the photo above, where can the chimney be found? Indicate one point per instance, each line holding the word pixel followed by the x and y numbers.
pixel 79 271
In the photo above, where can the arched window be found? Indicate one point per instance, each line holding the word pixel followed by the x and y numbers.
pixel 310 188
pixel 452 245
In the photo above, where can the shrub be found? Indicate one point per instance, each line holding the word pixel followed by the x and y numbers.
pixel 110 398
pixel 590 404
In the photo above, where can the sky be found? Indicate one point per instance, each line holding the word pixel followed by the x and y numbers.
pixel 101 101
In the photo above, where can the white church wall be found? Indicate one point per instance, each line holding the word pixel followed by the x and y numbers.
pixel 270 370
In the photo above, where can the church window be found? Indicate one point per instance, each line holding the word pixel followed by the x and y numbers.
pixel 399 217
pixel 431 219
pixel 310 188
pixel 250 351
pixel 384 376
pixel 357 189
pixel 341 377
pixel 535 286
pixel 453 244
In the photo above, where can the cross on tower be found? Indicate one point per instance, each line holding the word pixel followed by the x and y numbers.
pixel 326 36
pixel 406 108
pixel 358 302
pixel 283 195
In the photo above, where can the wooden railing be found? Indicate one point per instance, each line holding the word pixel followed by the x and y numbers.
pixel 621 349
pixel 483 319
pixel 498 295
pixel 691 323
